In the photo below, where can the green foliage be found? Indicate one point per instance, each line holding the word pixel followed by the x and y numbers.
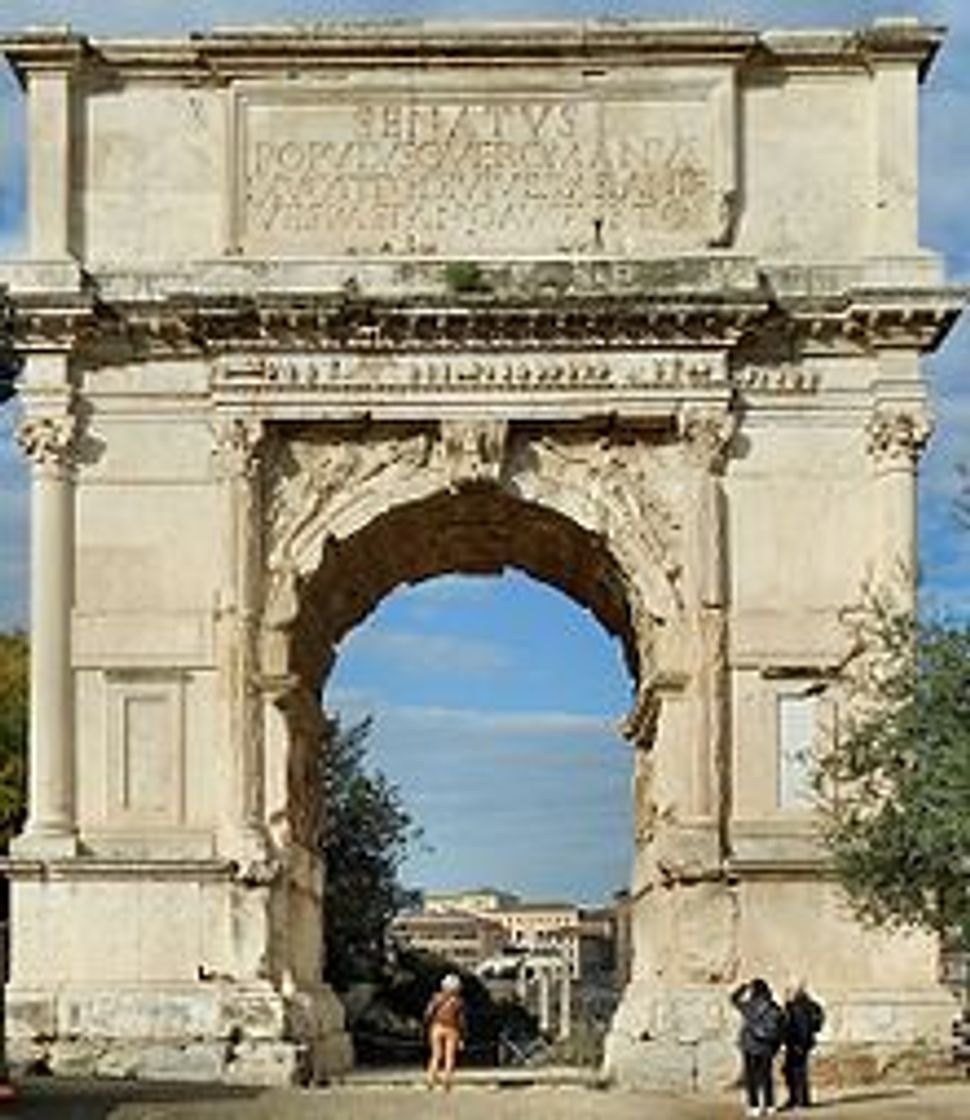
pixel 13 733
pixel 365 837
pixel 464 276
pixel 894 787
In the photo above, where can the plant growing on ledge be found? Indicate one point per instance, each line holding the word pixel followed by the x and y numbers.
pixel 463 277
pixel 893 787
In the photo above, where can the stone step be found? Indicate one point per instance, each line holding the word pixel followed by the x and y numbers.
pixel 487 1077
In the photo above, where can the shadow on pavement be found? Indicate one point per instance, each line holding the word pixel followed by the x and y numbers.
pixel 862 1097
pixel 68 1099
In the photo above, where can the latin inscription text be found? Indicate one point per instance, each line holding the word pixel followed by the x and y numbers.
pixel 421 177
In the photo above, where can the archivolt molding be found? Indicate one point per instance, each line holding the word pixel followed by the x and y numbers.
pixel 323 489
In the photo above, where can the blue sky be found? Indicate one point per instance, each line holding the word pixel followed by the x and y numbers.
pixel 495 700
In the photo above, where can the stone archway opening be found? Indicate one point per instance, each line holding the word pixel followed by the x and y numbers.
pixel 493 704
pixel 474 530
pixel 337 560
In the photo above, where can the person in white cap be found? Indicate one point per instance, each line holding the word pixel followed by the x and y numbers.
pixel 444 1019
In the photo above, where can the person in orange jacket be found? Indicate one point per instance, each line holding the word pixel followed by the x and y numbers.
pixel 444 1019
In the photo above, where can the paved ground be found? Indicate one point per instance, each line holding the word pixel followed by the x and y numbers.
pixel 50 1100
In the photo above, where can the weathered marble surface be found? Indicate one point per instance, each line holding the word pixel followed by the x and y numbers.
pixel 307 315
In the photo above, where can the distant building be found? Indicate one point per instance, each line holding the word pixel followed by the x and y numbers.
pixel 546 926
pixel 462 938
pixel 481 900
pixel 469 926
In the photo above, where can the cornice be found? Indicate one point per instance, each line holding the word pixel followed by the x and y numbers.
pixel 224 55
pixel 45 50
pixel 99 868
pixel 224 322
pixel 890 40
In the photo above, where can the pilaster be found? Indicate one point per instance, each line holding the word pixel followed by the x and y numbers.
pixel 237 466
pixel 706 436
pixel 895 219
pixel 50 137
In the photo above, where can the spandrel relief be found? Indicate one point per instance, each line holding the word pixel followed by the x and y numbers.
pixel 312 481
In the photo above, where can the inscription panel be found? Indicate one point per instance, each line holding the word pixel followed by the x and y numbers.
pixel 323 171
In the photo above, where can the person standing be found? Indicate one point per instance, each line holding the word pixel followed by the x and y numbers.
pixel 804 1018
pixel 444 1019
pixel 762 1031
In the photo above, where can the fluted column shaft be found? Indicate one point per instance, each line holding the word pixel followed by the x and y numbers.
pixel 48 443
pixel 896 439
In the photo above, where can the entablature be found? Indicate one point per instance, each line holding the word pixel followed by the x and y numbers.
pixel 635 337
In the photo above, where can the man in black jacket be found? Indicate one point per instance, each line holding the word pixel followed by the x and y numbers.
pixel 762 1031
pixel 804 1018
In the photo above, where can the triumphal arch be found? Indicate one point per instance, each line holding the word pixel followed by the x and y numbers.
pixel 309 314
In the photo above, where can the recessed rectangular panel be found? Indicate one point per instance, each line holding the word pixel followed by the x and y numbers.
pixel 628 167
pixel 145 751
pixel 797 729
pixel 147 755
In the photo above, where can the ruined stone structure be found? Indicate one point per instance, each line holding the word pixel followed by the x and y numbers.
pixel 307 315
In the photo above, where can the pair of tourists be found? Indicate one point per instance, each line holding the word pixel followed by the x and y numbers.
pixel 765 1028
pixel 444 1019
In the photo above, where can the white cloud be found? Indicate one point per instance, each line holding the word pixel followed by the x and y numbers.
pixel 484 723
pixel 417 652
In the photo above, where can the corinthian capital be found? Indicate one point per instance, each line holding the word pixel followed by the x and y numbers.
pixel 48 441
pixel 706 435
pixel 237 446
pixel 897 436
